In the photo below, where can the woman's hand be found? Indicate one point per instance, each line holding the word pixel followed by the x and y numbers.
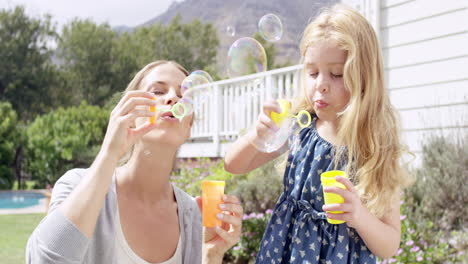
pixel 121 132
pixel 217 241
pixel 352 207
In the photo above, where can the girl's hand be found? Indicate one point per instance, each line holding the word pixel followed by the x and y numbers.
pixel 352 207
pixel 121 132
pixel 265 124
pixel 218 240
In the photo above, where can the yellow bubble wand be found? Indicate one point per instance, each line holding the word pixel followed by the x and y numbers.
pixel 286 108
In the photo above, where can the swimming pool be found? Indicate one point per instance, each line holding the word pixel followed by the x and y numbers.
pixel 19 199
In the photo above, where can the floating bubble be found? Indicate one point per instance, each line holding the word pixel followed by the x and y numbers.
pixel 204 74
pixel 231 30
pixel 246 56
pixel 270 27
pixel 193 80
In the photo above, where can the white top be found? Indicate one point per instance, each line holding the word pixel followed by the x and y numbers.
pixel 125 255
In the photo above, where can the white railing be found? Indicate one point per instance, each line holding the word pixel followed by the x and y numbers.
pixel 233 105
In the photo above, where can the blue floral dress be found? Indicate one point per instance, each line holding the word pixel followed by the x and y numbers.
pixel 298 231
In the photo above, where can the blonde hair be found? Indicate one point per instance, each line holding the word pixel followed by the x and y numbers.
pixel 135 85
pixel 369 125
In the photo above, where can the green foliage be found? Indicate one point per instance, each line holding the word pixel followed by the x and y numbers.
pixel 423 242
pixel 64 139
pixel 261 189
pixel 28 79
pixel 189 175
pixel 193 45
pixel 443 175
pixel 10 137
pixel 434 215
pixel 253 227
pixel 86 51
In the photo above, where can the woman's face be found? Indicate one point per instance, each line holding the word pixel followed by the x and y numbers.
pixel 164 82
pixel 325 89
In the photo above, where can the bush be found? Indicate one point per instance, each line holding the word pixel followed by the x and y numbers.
pixel 440 190
pixel 253 227
pixel 10 137
pixel 423 242
pixel 190 173
pixel 64 139
pixel 434 215
pixel 261 189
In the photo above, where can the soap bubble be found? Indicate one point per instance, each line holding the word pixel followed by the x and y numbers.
pixel 231 30
pixel 193 80
pixel 274 140
pixel 246 56
pixel 270 27
pixel 204 74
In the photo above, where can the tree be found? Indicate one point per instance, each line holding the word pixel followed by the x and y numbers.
pixel 9 136
pixel 86 52
pixel 27 76
pixel 193 45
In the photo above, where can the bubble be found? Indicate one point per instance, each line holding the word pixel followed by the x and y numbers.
pixel 193 80
pixel 246 56
pixel 274 140
pixel 270 27
pixel 195 100
pixel 231 30
pixel 204 74
pixel 181 109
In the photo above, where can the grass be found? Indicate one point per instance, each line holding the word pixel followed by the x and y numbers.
pixel 14 233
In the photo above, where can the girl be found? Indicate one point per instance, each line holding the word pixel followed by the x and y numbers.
pixel 132 213
pixel 354 129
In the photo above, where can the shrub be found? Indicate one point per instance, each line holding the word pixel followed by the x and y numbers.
pixel 64 139
pixel 10 137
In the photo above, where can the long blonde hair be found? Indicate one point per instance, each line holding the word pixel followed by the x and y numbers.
pixel 369 125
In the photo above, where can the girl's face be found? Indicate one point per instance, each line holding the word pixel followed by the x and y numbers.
pixel 324 65
pixel 164 82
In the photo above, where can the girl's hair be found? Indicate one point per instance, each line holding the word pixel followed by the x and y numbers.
pixel 369 125
pixel 135 85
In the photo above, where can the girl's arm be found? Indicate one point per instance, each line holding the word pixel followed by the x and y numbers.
pixel 242 156
pixel 381 236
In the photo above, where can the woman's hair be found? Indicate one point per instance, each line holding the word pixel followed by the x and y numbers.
pixel 369 125
pixel 135 85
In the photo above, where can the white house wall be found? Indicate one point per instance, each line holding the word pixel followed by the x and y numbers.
pixel 425 48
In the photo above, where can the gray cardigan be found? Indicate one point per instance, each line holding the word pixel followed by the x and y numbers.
pixel 57 240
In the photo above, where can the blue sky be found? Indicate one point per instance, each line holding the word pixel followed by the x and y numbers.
pixel 115 12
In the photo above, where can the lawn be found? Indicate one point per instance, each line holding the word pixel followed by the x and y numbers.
pixel 14 233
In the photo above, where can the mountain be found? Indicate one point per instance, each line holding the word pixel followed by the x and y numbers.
pixel 243 16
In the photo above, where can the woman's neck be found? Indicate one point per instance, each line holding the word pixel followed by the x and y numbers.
pixel 145 176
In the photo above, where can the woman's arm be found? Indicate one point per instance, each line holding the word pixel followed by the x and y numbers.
pixel 64 233
pixel 84 204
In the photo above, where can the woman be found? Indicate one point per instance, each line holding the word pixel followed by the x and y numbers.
pixel 132 213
